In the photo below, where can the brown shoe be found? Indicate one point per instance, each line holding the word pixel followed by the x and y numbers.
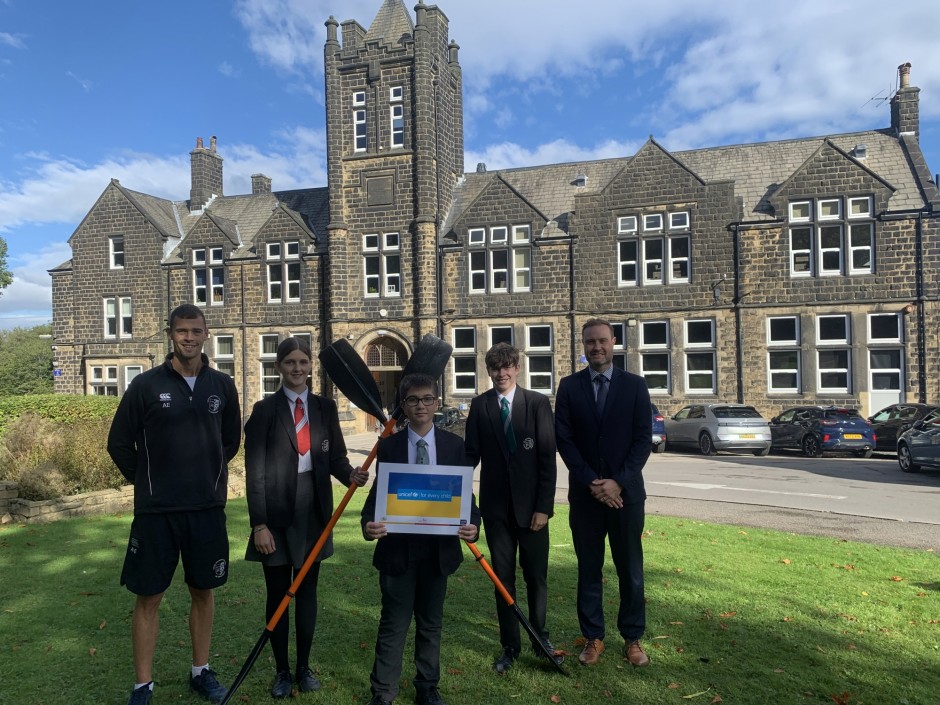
pixel 635 654
pixel 591 653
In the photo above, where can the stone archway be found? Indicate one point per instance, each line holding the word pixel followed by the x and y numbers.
pixel 385 356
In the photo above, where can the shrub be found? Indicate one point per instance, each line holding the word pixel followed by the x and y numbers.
pixel 61 408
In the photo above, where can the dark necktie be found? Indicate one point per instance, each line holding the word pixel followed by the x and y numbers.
pixel 507 425
pixel 302 428
pixel 422 457
pixel 601 382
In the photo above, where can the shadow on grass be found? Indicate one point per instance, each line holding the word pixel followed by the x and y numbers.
pixel 747 615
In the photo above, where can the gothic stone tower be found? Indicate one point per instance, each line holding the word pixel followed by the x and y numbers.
pixel 394 154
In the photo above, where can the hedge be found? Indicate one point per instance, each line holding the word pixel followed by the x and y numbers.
pixel 59 408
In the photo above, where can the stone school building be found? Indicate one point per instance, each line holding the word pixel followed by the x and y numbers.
pixel 776 273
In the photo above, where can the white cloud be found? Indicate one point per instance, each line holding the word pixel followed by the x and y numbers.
pixel 226 69
pixel 83 82
pixel 12 40
pixel 27 301
pixel 507 155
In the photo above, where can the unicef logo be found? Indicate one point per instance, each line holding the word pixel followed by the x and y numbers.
pixel 214 404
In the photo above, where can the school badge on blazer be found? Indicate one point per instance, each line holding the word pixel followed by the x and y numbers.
pixel 528 443
pixel 325 446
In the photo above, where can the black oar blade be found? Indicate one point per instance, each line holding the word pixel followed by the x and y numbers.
pixel 246 667
pixel 352 377
pixel 536 639
pixel 430 358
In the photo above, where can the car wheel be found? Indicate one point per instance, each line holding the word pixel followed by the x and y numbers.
pixel 905 459
pixel 863 453
pixel 762 452
pixel 811 446
pixel 706 444
pixel 659 447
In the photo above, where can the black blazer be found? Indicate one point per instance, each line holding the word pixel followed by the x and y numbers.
pixel 392 552
pixel 616 446
pixel 529 475
pixel 271 459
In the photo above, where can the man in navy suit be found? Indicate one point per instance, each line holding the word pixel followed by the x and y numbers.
pixel 604 433
pixel 413 568
pixel 511 433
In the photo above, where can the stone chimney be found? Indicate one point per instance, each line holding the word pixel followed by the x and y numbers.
pixel 260 184
pixel 206 174
pixel 905 105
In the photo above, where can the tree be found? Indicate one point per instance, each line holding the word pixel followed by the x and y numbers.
pixel 6 276
pixel 25 361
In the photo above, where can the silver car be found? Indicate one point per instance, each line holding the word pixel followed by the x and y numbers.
pixel 714 427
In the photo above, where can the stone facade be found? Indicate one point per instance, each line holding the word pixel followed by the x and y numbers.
pixel 799 271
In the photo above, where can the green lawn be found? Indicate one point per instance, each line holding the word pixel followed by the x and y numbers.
pixel 735 616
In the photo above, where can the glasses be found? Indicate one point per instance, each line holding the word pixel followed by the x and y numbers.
pixel 414 401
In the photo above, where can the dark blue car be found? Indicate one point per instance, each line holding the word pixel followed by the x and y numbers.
pixel 819 429
pixel 659 431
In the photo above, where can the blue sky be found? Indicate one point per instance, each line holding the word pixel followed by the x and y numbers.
pixel 91 91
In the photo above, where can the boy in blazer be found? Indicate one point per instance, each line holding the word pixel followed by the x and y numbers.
pixel 602 422
pixel 413 568
pixel 510 431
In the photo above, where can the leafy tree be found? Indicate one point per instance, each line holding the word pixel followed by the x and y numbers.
pixel 6 276
pixel 25 361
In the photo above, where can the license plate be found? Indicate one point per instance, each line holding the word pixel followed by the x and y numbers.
pixel 746 435
pixel 853 436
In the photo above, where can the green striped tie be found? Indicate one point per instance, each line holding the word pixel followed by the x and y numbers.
pixel 507 425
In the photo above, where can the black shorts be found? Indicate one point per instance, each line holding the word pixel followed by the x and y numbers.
pixel 158 540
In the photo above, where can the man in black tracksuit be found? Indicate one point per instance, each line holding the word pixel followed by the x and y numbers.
pixel 174 432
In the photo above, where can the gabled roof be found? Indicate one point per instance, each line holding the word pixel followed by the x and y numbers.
pixel 757 171
pixel 392 21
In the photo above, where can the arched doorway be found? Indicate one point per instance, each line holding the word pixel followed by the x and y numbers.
pixel 385 357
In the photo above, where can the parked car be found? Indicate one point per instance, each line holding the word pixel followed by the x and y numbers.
pixel 714 427
pixel 892 421
pixel 919 446
pixel 817 429
pixel 659 431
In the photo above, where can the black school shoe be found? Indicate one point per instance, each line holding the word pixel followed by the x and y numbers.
pixel 505 660
pixel 208 686
pixel 282 685
pixel 558 659
pixel 306 681
pixel 141 695
pixel 431 696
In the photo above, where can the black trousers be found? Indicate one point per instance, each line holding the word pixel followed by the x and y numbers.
pixel 505 539
pixel 278 580
pixel 591 522
pixel 419 593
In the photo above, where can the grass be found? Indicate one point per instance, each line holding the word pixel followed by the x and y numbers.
pixel 735 616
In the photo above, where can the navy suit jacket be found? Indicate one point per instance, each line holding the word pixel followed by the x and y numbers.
pixel 614 446
pixel 392 551
pixel 529 475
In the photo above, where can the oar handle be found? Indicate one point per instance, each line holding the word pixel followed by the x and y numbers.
pixel 489 571
pixel 330 525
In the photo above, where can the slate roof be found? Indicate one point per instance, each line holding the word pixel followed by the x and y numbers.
pixel 392 21
pixel 757 170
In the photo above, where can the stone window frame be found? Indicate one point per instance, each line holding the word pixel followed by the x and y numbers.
pixel 464 369
pixel 829 346
pixel 270 378
pixel 831 236
pixel 638 264
pixel 103 380
pixel 382 265
pixel 698 350
pixel 493 257
pixel 283 271
pixel 782 348
pixel 209 262
pixel 119 321
pixel 540 358
pixel 116 255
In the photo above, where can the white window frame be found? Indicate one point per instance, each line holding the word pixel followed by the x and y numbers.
pixel 795 372
pixel 104 380
pixel 396 123
pixel 359 98
pixel 284 272
pixel 823 204
pixel 899 338
pixel 624 262
pixel 867 212
pixel 209 262
pixel 465 379
pixel 652 222
pixel 464 349
pixel 120 319
pixel 794 218
pixel 833 341
pixel 651 261
pixel 267 364
pixel 114 253
pixel 396 94
pixel 382 251
pixel 360 130
pixel 821 371
pixel 645 345
pixel 822 249
pixel 679 220
pixel 673 278
pixel 530 328
pixel 805 251
pixel 540 380
pixel 626 224
pixel 128 377
pixel 499 235
pixel 476 236
pixel 712 373
pixel 711 327
pixel 495 270
pixel 476 271
pixel 646 374
pixel 771 342
pixel 521 233
pixel 512 334
pixel 521 271
pixel 868 247
pixel 897 371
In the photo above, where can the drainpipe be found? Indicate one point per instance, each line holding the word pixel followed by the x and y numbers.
pixel 921 314
pixel 571 299
pixel 736 302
